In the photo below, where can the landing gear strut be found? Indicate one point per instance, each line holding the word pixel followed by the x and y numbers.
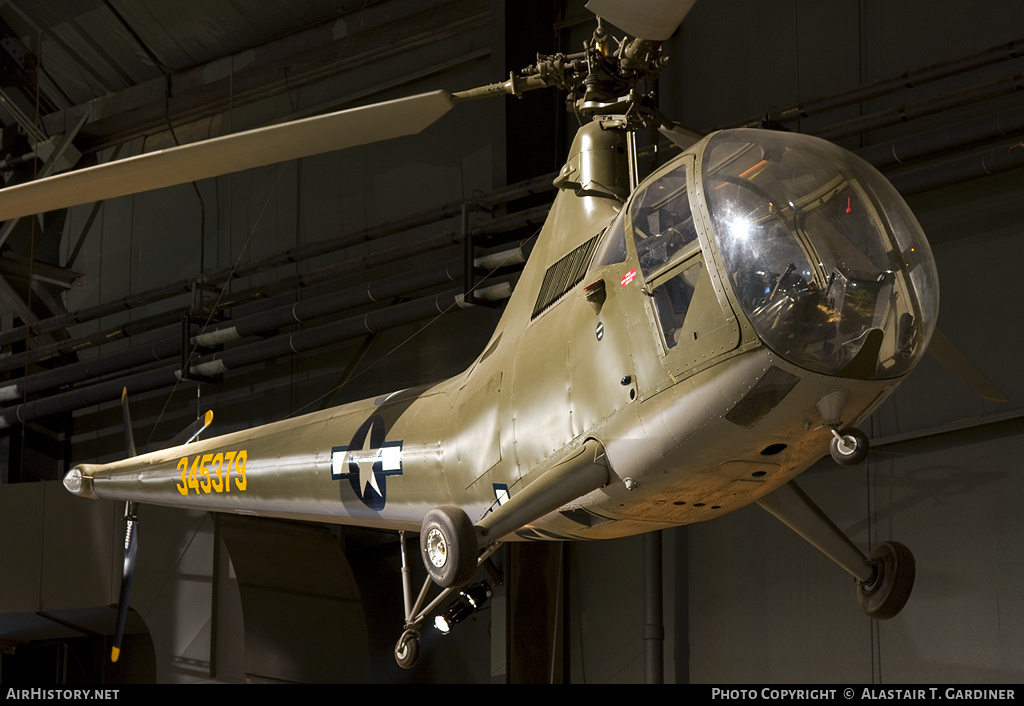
pixel 451 544
pixel 436 551
pixel 885 578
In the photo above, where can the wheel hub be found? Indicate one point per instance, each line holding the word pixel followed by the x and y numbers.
pixel 437 548
pixel 847 445
pixel 872 584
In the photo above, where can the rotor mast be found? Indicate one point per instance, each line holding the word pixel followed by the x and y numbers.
pixel 612 84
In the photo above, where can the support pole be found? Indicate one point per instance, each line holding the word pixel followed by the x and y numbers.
pixel 654 626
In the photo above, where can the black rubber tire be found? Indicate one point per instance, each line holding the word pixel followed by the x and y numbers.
pixel 407 649
pixel 448 546
pixel 852 450
pixel 884 596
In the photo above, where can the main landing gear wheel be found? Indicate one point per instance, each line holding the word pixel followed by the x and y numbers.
pixel 889 589
pixel 849 446
pixel 448 545
pixel 407 649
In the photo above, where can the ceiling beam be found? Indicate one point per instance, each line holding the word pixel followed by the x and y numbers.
pixel 306 57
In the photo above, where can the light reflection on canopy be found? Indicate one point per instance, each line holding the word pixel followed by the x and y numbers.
pixel 823 256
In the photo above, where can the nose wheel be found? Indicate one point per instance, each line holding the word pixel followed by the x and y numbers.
pixel 849 446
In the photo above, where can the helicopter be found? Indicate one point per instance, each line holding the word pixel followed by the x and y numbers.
pixel 675 349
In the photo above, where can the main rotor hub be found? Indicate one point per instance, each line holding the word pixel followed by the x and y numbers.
pixel 603 80
pixel 598 81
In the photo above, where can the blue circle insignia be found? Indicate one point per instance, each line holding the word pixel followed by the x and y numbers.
pixel 367 462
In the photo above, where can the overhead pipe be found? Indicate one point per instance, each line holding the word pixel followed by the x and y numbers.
pixel 944 139
pixel 171 317
pixel 955 170
pixel 882 87
pixel 925 107
pixel 326 334
pixel 236 358
pixel 259 323
pixel 170 346
pixel 298 253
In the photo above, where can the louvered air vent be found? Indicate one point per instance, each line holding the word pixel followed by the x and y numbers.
pixel 564 275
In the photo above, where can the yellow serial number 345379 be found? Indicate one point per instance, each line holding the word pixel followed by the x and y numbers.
pixel 211 473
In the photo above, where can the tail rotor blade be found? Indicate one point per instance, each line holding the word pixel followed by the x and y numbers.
pixel 189 433
pixel 131 543
pixel 129 438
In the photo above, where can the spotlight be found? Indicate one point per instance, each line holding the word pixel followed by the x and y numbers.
pixel 469 601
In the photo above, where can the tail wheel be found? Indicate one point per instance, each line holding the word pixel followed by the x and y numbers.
pixel 849 447
pixel 448 545
pixel 889 589
pixel 407 649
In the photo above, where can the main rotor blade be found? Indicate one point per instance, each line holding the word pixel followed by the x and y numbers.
pixel 956 361
pixel 648 19
pixel 227 154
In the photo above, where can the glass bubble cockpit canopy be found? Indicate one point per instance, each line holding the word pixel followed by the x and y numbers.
pixel 824 257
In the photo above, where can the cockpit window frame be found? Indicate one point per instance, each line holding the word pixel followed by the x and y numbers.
pixel 689 357
pixel 681 230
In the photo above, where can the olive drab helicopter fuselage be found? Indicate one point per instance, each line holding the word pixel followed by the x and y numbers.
pixel 655 330
pixel 674 349
pixel 662 361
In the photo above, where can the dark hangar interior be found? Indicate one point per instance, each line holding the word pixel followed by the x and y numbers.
pixel 101 296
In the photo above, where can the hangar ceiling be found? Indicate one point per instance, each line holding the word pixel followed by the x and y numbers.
pixel 138 66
